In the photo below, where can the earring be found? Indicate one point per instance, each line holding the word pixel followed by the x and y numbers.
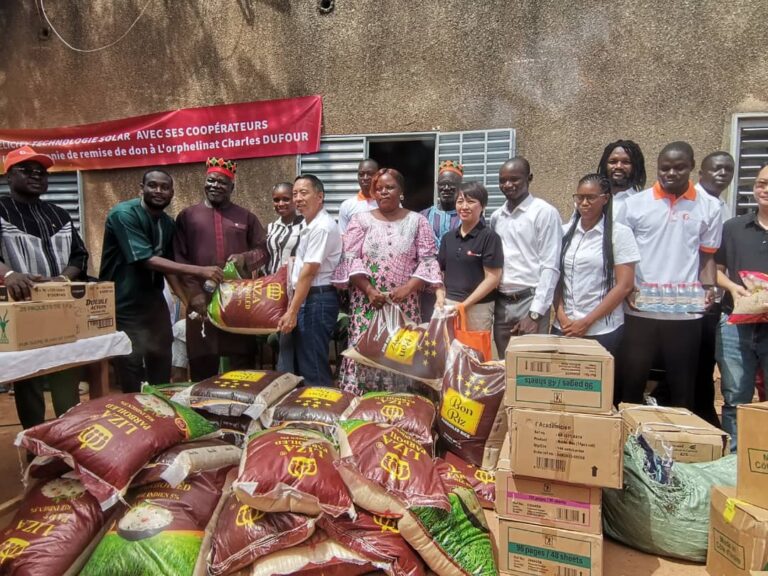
pixel 402 197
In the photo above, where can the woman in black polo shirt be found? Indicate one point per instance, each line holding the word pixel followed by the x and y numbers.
pixel 471 258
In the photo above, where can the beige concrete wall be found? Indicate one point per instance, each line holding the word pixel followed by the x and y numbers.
pixel 569 75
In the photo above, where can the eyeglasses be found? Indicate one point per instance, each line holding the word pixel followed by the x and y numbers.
pixel 588 198
pixel 29 171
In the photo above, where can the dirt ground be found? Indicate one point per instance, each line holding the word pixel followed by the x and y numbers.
pixel 618 559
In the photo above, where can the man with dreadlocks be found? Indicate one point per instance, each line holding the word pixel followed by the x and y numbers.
pixel 597 268
pixel 623 165
pixel 678 231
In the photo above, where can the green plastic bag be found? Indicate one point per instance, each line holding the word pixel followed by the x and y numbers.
pixel 664 507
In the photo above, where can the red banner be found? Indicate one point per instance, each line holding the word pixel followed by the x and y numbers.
pixel 246 130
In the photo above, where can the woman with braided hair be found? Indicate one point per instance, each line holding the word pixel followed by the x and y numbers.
pixel 597 268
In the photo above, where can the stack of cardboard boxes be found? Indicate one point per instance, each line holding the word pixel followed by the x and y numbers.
pixel 564 446
pixel 59 312
pixel 738 527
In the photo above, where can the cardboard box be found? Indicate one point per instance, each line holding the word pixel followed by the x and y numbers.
pixel 738 535
pixel 688 437
pixel 527 549
pixel 752 476
pixel 557 373
pixel 549 503
pixel 566 446
pixel 94 303
pixel 29 325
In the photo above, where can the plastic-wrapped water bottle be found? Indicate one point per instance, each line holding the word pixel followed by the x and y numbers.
pixel 668 298
pixel 641 300
pixel 653 298
pixel 698 297
pixel 210 286
pixel 683 301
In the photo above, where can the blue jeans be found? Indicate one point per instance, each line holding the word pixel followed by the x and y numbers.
pixel 740 350
pixel 305 350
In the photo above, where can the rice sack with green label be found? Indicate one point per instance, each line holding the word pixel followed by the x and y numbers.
pixel 161 533
pixel 56 522
pixel 471 418
pixel 289 469
pixel 244 534
pixel 107 441
pixel 483 481
pixel 318 404
pixel 455 542
pixel 387 470
pixel 410 412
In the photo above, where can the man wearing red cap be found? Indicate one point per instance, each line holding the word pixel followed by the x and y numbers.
pixel 38 242
pixel 209 234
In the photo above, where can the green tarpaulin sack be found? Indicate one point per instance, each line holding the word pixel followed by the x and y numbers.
pixel 664 507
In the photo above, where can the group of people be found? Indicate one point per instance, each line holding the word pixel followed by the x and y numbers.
pixel 520 271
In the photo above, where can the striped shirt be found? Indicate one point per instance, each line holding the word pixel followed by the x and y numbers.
pixel 441 221
pixel 39 238
pixel 282 240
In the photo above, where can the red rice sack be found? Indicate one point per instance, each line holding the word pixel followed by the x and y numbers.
pixel 752 309
pixel 378 539
pixel 162 531
pixel 244 534
pixel 386 469
pixel 108 440
pixel 46 468
pixel 290 469
pixel 318 556
pixel 410 412
pixel 471 418
pixel 176 463
pixel 483 482
pixel 51 531
pixel 239 392
pixel 455 542
pixel 395 344
pixel 252 306
pixel 317 404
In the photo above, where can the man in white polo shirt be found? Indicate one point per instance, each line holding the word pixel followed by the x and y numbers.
pixel 363 201
pixel 307 327
pixel 678 231
pixel 531 235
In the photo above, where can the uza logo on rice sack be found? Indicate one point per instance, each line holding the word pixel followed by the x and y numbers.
pixel 290 469
pixel 482 481
pixel 244 534
pixel 471 419
pixel 53 526
pixel 108 440
pixel 394 344
pixel 239 392
pixel 455 542
pixel 411 412
pixel 250 306
pixel 317 404
pixel 386 469
pixel 161 533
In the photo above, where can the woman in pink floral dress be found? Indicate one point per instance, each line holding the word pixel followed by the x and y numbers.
pixel 389 254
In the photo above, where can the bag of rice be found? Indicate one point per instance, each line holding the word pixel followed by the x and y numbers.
pixel 395 344
pixel 233 429
pixel 453 543
pixel 46 467
pixel 313 404
pixel 483 482
pixel 51 531
pixel 239 392
pixel 376 538
pixel 167 390
pixel 471 418
pixel 752 309
pixel 244 534
pixel 108 440
pixel 411 412
pixel 386 469
pixel 251 306
pixel 176 463
pixel 290 469
pixel 161 532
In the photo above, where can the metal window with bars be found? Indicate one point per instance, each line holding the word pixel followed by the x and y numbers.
pixel 65 191
pixel 750 150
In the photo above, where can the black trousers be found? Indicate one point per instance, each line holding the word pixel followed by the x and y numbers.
pixel 204 354
pixel 30 398
pixel 150 360
pixel 677 343
pixel 704 394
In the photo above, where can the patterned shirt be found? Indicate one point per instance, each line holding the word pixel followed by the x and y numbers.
pixel 282 240
pixel 441 221
pixel 39 238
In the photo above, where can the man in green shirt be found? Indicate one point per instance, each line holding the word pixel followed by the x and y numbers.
pixel 136 254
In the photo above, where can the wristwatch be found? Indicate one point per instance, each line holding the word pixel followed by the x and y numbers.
pixel 535 316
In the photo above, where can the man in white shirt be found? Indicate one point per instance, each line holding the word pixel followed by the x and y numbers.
pixel 363 201
pixel 623 164
pixel 531 235
pixel 678 231
pixel 715 176
pixel 307 327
